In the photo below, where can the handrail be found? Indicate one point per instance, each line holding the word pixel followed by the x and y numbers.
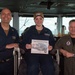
pixel 58 57
pixel 17 56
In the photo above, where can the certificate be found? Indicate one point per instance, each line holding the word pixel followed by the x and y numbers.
pixel 40 46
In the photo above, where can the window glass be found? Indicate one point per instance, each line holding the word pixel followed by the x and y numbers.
pixel 65 22
pixel 11 22
pixel 51 24
pixel 25 22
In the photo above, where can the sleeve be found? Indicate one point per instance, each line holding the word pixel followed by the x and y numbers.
pixel 17 38
pixel 14 32
pixel 59 44
pixel 24 40
pixel 51 39
pixel 52 43
pixel 2 48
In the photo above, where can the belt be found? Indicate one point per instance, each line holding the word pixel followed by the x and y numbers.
pixel 5 60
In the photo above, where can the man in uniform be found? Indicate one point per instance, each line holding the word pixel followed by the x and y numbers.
pixel 9 39
pixel 66 46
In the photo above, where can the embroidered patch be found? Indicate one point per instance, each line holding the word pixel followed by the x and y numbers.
pixel 68 43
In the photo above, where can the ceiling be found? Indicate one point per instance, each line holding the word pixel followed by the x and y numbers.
pixel 48 7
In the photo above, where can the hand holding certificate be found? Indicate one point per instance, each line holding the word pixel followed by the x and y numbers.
pixel 40 46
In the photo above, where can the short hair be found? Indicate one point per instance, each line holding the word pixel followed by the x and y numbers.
pixel 7 9
pixel 73 20
pixel 63 26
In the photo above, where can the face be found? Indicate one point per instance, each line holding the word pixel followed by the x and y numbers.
pixel 5 16
pixel 72 28
pixel 38 21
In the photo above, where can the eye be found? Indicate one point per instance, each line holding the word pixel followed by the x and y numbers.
pixel 9 14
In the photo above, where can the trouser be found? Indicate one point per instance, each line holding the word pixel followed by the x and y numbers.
pixel 7 68
pixel 39 61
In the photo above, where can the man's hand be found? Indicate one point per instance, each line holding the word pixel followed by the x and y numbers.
pixel 13 45
pixel 66 53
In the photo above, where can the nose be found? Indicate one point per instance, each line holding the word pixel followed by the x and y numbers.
pixel 6 15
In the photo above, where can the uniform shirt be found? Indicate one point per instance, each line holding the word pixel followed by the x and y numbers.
pixel 12 37
pixel 67 44
pixel 32 33
pixel 73 40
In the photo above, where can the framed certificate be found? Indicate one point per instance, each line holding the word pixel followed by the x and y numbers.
pixel 40 46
